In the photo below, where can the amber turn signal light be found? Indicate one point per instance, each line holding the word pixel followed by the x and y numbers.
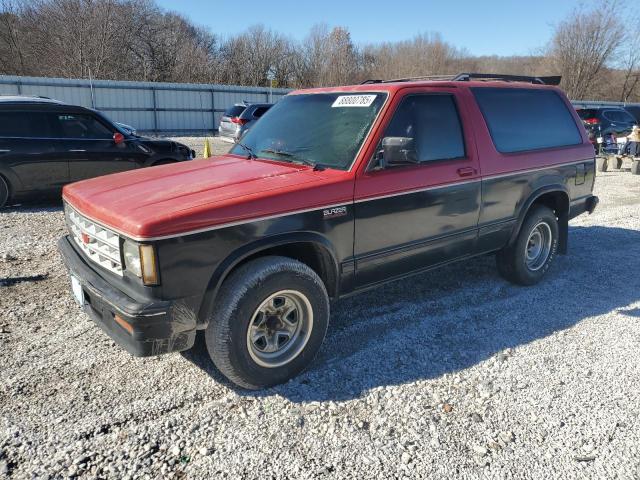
pixel 123 323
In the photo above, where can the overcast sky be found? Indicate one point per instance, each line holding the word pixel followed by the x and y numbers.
pixel 483 27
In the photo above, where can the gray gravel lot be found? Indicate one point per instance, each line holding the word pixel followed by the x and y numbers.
pixel 451 374
pixel 218 147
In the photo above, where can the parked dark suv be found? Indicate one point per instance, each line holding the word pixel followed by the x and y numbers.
pixel 605 125
pixel 342 190
pixel 45 144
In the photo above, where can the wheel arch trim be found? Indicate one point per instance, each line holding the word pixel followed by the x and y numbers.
pixel 253 249
pixel 563 217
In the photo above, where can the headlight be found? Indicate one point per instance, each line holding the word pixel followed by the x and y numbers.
pixel 140 260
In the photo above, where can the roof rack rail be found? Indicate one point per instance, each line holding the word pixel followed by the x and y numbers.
pixel 410 79
pixel 465 77
pixel 550 80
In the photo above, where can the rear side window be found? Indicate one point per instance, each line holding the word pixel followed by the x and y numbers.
pixel 260 111
pixel 234 111
pixel 635 111
pixel 618 116
pixel 432 122
pixel 24 124
pixel 522 119
pixel 81 126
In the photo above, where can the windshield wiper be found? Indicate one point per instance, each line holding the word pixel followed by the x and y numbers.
pixel 250 153
pixel 283 153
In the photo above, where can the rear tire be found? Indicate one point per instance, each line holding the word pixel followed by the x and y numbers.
pixel 251 338
pixel 4 192
pixel 527 260
pixel 601 164
pixel 635 167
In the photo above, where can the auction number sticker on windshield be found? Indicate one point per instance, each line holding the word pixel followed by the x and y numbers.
pixel 354 101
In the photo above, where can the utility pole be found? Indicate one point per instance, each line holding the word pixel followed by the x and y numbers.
pixel 271 76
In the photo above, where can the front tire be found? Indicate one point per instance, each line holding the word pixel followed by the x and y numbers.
pixel 269 321
pixel 527 260
pixel 4 192
pixel 635 167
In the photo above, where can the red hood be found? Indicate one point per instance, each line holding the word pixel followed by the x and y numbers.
pixel 189 196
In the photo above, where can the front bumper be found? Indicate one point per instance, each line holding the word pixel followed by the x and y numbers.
pixel 157 326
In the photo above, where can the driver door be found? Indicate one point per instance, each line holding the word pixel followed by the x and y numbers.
pixel 90 147
pixel 413 216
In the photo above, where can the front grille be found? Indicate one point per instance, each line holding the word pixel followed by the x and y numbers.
pixel 99 244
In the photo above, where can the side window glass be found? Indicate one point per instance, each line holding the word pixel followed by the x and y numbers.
pixel 24 125
pixel 613 116
pixel 526 119
pixel 626 117
pixel 427 127
pixel 260 111
pixel 81 127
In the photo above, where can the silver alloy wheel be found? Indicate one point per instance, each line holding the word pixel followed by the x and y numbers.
pixel 280 328
pixel 538 246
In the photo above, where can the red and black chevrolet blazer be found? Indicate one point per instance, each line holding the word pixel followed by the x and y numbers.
pixel 334 191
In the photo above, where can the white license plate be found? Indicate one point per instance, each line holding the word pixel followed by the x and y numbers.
pixel 76 288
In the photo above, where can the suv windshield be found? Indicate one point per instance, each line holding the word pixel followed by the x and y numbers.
pixel 320 128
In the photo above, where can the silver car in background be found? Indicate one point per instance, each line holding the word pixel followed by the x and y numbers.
pixel 238 119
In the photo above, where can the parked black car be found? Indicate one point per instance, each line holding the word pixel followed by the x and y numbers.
pixel 45 144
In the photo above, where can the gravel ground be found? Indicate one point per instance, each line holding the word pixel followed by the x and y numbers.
pixel 451 374
pixel 218 147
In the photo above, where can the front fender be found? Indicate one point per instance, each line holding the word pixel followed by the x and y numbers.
pixel 254 248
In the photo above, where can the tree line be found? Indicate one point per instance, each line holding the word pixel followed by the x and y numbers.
pixel 597 51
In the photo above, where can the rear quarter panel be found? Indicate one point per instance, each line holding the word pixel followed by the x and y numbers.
pixel 510 180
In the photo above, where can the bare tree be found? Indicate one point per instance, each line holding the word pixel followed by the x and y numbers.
pixel 12 41
pixel 74 37
pixel 583 44
pixel 630 64
pixel 424 54
pixel 165 47
pixel 596 53
pixel 250 56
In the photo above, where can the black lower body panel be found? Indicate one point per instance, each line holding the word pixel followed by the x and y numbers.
pixel 585 204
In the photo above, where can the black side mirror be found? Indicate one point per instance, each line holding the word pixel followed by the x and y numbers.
pixel 398 151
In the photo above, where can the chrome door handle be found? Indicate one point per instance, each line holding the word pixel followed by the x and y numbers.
pixel 77 150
